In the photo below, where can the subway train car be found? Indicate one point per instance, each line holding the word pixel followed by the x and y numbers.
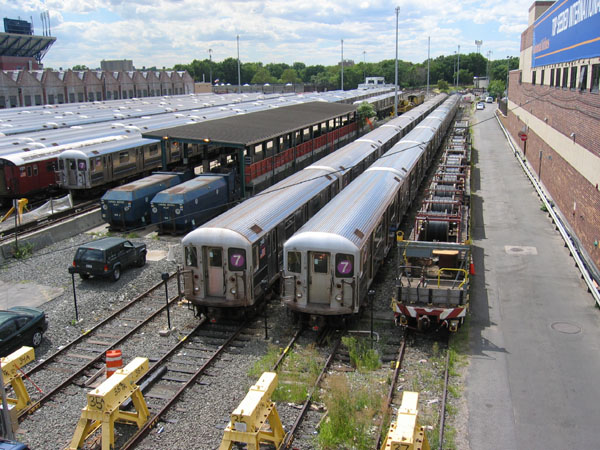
pixel 181 208
pixel 332 260
pixel 128 206
pixel 233 259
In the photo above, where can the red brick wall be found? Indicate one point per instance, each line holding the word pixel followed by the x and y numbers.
pixel 527 38
pixel 565 112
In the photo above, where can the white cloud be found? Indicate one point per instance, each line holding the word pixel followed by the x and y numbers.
pixel 166 32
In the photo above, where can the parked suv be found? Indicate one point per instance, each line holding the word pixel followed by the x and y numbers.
pixel 107 257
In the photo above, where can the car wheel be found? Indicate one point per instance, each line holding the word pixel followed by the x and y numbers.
pixel 84 276
pixel 36 339
pixel 141 260
pixel 116 273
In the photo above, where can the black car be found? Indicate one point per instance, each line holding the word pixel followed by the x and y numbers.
pixel 107 257
pixel 21 325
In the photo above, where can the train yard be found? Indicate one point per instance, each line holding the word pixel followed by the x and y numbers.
pixel 129 318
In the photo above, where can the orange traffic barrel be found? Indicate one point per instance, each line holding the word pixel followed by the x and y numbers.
pixel 114 362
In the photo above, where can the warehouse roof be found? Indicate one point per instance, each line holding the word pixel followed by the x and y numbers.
pixel 252 128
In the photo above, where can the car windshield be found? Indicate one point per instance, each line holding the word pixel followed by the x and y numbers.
pixel 89 254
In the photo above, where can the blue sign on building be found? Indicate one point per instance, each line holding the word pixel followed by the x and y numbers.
pixel 567 31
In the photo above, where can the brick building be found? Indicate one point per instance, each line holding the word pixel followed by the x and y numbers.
pixel 37 87
pixel 554 98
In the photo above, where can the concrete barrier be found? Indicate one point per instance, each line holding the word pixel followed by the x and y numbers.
pixel 53 234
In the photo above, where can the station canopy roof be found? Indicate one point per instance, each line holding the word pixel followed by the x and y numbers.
pixel 25 45
pixel 252 128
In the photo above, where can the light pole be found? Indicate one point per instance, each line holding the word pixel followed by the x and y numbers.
pixel 396 67
pixel 487 71
pixel 458 68
pixel 507 69
pixel 364 65
pixel 210 66
pixel 238 55
pixel 428 56
pixel 342 64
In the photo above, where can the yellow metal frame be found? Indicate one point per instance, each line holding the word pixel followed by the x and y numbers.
pixel 21 205
pixel 448 269
pixel 405 433
pixel 11 373
pixel 248 421
pixel 103 403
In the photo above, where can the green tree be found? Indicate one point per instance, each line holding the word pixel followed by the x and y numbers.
pixel 277 69
pixel 496 88
pixel 365 110
pixel 229 70
pixel 80 67
pixel 262 76
pixel 289 76
pixel 442 85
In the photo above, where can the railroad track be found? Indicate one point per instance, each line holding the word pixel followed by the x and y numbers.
pixel 81 362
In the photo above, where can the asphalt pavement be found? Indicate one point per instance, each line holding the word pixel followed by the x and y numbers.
pixel 533 380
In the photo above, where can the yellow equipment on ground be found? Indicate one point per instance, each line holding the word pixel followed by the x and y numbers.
pixel 248 423
pixel 11 372
pixel 21 205
pixel 405 433
pixel 103 403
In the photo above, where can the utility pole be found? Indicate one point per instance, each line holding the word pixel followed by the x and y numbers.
pixel 396 67
pixel 364 64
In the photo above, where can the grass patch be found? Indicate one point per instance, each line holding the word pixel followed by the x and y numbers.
pixel 132 235
pixel 362 357
pixel 351 402
pixel 23 250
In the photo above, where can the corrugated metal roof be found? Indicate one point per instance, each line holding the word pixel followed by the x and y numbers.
pixel 257 127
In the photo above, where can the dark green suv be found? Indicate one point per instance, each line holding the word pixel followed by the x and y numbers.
pixel 21 325
pixel 107 257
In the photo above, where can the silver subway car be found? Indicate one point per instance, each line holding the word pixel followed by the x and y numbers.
pixel 332 260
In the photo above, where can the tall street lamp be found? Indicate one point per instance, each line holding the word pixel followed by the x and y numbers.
pixel 396 67
pixel 238 55
pixel 364 64
pixel 342 64
pixel 210 65
pixel 507 69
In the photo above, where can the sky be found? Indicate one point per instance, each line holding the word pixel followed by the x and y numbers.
pixel 162 33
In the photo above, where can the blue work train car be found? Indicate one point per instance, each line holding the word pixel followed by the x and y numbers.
pixel 182 208
pixel 128 206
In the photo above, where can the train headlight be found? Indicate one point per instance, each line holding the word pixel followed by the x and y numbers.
pixel 196 289
pixel 177 211
pixel 127 208
pixel 104 206
pixel 338 297
pixel 233 291
pixel 154 209
pixel 299 295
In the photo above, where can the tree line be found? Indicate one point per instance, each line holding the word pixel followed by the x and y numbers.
pixel 410 75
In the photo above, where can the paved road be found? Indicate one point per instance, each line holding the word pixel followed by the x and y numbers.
pixel 534 378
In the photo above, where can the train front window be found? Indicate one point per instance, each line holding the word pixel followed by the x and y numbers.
pixel 81 164
pixel 191 256
pixel 294 262
pixel 215 257
pixel 320 262
pixel 344 265
pixel 236 259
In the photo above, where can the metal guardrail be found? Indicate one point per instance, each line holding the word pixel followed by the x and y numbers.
pixel 555 218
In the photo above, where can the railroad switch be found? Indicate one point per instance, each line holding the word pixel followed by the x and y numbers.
pixel 248 423
pixel 103 403
pixel 11 372
pixel 405 433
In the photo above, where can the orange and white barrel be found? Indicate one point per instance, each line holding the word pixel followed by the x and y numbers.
pixel 114 361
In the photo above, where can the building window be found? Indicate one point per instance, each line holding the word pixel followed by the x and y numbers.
pixel 80 97
pixel 583 78
pixel 542 78
pixel 573 84
pixel 557 81
pixel 595 77
pixel 98 96
pixel 565 77
pixel 51 99
pixel 61 98
pixel 533 77
pixel 552 77
pixel 27 100
pixel 38 99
